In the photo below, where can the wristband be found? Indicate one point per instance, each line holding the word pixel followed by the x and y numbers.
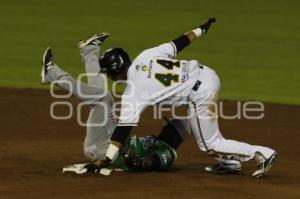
pixel 112 151
pixel 198 32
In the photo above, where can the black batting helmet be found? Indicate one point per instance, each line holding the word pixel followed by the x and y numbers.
pixel 114 60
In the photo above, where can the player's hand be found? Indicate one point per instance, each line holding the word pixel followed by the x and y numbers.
pixel 206 24
pixel 96 166
pixel 92 167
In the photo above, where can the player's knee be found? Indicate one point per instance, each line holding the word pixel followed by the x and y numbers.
pixel 93 153
pixel 201 145
pixel 210 145
pixel 214 143
pixel 207 145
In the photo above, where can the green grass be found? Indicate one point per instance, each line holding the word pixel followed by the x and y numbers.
pixel 254 46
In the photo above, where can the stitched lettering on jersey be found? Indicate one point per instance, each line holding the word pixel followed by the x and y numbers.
pixel 185 69
pixel 150 70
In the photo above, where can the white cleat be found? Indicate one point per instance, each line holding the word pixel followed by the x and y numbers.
pixel 76 168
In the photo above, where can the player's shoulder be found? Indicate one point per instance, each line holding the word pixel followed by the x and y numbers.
pixel 145 55
pixel 143 59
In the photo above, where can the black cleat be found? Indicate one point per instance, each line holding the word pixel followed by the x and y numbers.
pixel 263 167
pixel 47 64
pixel 223 168
pixel 97 39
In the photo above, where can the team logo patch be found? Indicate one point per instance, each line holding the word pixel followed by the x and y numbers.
pixel 145 68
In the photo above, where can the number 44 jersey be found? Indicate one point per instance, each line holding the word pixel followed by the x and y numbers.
pixel 156 77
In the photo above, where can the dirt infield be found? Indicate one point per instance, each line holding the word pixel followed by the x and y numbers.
pixel 34 148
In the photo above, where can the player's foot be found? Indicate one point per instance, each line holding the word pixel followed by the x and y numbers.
pixel 223 168
pixel 47 64
pixel 264 166
pixel 97 39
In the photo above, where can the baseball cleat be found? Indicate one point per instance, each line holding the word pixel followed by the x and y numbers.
pixel 97 39
pixel 47 64
pixel 263 167
pixel 223 168
pixel 76 168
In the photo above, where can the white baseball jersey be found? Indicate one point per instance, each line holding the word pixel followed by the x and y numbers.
pixel 155 76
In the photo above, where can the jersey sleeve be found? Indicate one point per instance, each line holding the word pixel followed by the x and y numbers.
pixel 164 50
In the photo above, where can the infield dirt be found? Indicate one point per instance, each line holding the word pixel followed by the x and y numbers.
pixel 34 148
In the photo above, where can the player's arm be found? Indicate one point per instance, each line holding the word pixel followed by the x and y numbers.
pixel 129 116
pixel 171 49
pixel 185 40
pixel 118 139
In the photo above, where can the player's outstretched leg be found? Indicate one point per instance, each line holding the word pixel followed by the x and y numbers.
pixel 97 136
pixel 210 139
pixel 100 123
pixel 96 40
pixel 204 122
pixel 90 52
pixel 52 73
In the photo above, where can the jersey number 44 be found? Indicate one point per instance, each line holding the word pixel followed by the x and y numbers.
pixel 168 78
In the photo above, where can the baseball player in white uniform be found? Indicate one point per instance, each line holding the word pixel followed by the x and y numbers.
pixel 155 76
pixel 101 121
